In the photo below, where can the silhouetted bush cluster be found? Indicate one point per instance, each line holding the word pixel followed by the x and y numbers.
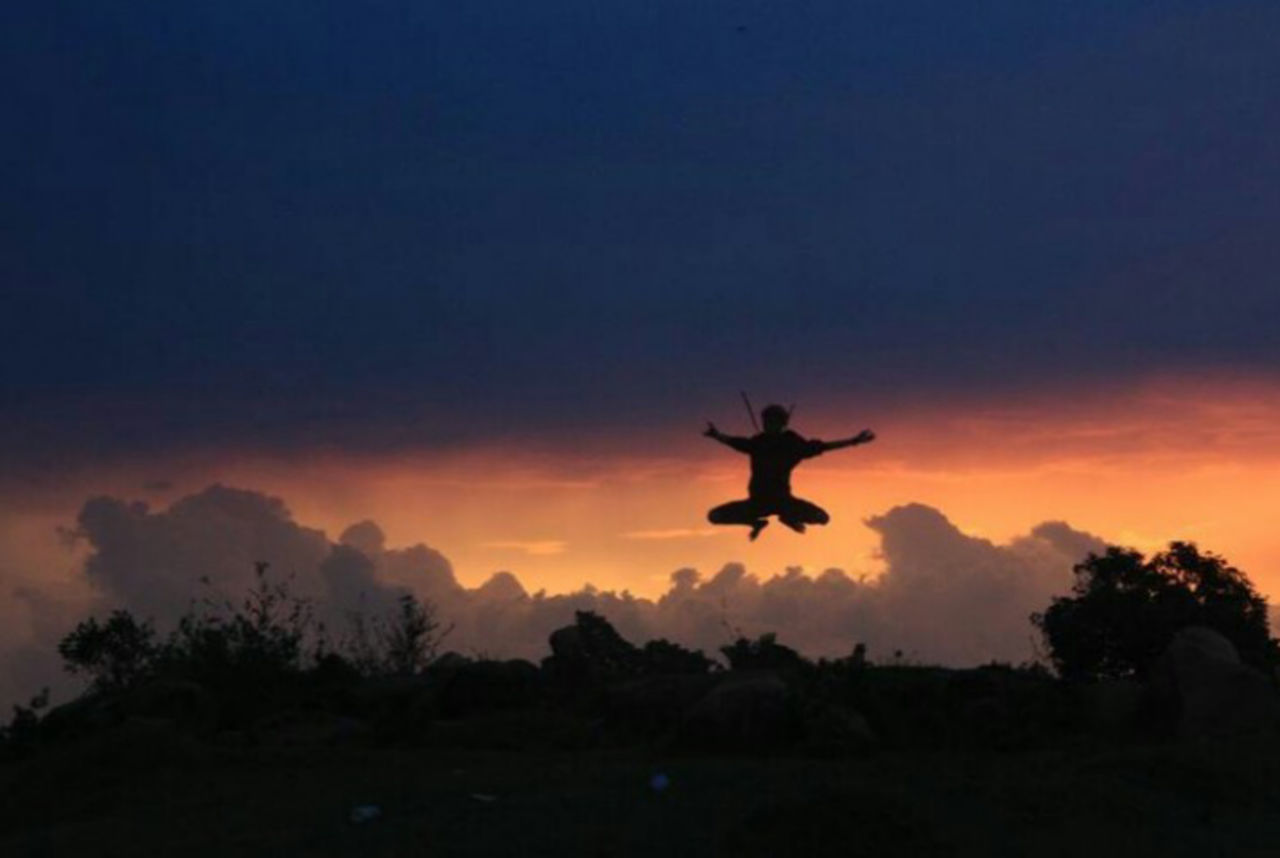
pixel 244 660
pixel 262 671
pixel 248 677
pixel 268 635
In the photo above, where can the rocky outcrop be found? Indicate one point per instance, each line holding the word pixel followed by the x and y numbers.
pixel 1215 693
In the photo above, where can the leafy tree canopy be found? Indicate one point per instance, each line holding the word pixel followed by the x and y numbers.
pixel 1125 609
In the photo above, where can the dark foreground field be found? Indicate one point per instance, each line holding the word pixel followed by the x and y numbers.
pixel 145 795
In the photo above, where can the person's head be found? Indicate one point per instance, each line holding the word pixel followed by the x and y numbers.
pixel 774 418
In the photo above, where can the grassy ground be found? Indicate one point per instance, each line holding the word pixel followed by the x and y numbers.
pixel 144 796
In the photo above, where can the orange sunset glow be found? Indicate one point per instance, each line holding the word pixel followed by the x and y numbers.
pixel 1161 461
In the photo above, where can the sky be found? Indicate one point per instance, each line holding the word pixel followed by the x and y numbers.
pixel 481 273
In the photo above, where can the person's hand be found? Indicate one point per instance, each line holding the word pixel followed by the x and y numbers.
pixel 711 431
pixel 866 436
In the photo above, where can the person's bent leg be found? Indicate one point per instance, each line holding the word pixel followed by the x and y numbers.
pixel 799 512
pixel 733 512
pixel 739 512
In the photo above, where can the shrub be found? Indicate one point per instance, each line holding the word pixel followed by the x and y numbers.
pixel 404 644
pixel 262 637
pixel 113 654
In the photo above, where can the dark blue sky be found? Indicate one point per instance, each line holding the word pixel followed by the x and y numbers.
pixel 315 221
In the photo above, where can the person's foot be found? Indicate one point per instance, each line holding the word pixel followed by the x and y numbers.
pixel 758 525
pixel 797 526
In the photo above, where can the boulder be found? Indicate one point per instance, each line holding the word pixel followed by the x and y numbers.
pixel 589 654
pixel 485 686
pixel 750 710
pixel 655 704
pixel 836 729
pixel 1216 694
pixel 568 643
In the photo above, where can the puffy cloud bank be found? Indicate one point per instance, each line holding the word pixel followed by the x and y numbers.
pixel 944 596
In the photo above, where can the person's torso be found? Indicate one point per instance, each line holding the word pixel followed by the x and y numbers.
pixel 773 458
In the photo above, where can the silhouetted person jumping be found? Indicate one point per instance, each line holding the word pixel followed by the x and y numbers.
pixel 774 454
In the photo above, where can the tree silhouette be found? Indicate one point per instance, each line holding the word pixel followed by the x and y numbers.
pixel 1124 610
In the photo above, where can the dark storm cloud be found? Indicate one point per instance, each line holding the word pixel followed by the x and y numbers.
pixel 945 597
pixel 410 223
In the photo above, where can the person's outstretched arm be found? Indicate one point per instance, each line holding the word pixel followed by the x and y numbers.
pixel 866 436
pixel 742 445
